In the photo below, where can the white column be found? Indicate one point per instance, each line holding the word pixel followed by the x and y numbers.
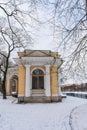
pixel 28 85
pixel 47 81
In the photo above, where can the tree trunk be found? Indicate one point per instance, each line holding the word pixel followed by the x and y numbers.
pixel 4 78
pixel 4 89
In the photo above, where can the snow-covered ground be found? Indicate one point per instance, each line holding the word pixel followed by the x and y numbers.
pixel 70 114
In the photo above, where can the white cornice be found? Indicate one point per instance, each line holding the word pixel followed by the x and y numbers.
pixel 13 69
pixel 38 61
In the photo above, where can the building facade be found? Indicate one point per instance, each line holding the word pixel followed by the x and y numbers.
pixel 35 78
pixel 74 87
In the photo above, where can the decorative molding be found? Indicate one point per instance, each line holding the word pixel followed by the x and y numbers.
pixel 13 69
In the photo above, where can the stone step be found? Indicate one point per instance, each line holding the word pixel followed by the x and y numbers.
pixel 38 91
pixel 38 99
pixel 37 94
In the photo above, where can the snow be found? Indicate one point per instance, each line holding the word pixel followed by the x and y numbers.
pixel 75 92
pixel 70 114
pixel 80 118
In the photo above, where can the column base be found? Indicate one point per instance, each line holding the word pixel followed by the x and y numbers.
pixel 56 99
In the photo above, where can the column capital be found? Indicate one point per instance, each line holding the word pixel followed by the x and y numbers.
pixel 47 65
pixel 27 65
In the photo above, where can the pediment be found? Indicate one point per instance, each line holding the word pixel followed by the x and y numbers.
pixel 37 53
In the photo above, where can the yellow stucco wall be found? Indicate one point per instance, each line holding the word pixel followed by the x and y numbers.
pixel 21 82
pixel 54 80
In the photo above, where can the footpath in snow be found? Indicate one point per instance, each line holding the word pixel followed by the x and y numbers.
pixel 70 114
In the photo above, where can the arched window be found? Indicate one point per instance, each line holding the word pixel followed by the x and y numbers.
pixel 37 79
pixel 38 71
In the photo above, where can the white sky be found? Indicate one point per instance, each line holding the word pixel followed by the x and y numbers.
pixel 44 40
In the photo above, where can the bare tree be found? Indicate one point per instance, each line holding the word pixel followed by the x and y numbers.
pixel 10 41
pixel 70 32
pixel 16 21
